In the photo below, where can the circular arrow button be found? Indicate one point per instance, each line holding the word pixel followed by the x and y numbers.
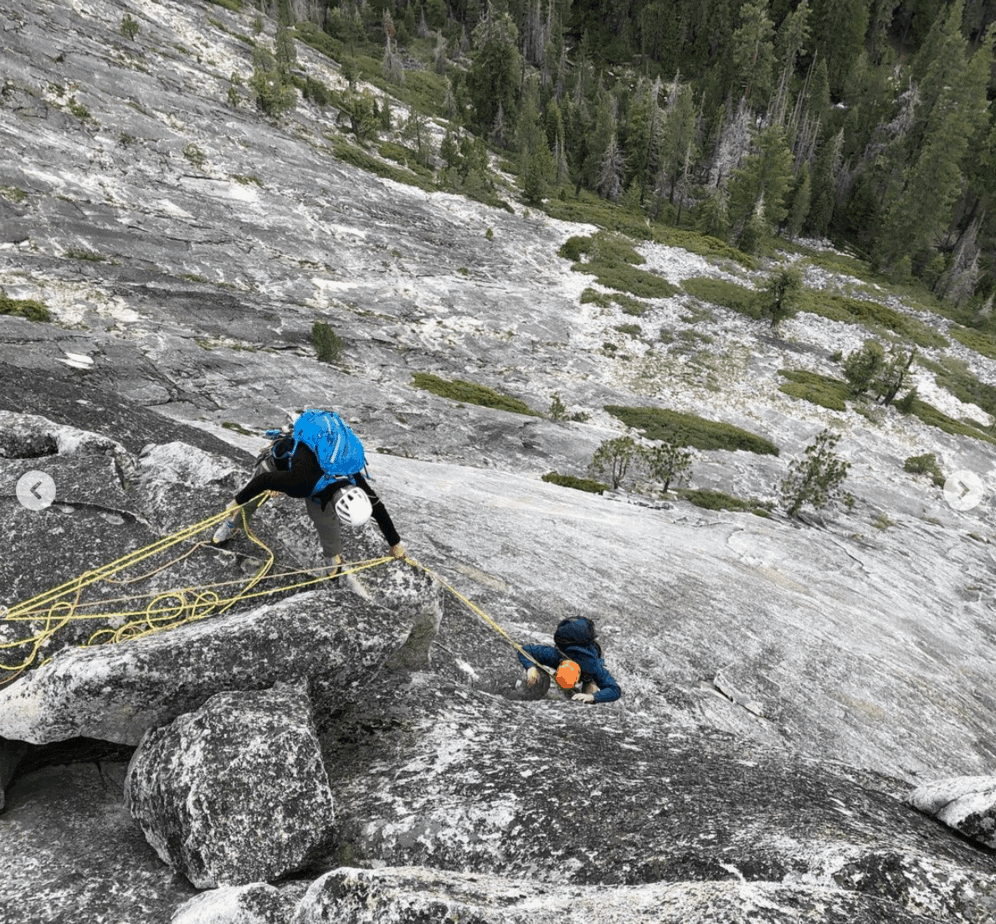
pixel 35 490
pixel 963 490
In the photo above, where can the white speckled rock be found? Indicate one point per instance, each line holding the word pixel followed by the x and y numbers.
pixel 966 803
pixel 236 792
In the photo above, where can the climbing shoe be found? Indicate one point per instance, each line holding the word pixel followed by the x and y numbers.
pixel 223 533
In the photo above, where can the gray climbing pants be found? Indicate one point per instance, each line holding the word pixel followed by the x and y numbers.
pixel 325 521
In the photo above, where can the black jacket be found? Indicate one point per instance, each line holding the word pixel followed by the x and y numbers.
pixel 297 476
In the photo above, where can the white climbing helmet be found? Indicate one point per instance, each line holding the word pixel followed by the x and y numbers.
pixel 352 505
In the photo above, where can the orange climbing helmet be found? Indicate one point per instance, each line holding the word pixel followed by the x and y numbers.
pixel 568 674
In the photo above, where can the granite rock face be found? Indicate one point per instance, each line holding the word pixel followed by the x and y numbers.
pixel 786 684
pixel 236 792
pixel 403 895
pixel 967 804
pixel 256 903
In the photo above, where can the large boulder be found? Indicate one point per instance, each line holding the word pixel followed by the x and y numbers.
pixel 965 803
pixel 256 903
pixel 116 692
pixel 235 793
pixel 406 895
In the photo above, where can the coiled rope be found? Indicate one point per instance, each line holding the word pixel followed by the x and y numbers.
pixel 138 615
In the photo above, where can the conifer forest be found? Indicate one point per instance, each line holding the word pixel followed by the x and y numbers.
pixel 757 122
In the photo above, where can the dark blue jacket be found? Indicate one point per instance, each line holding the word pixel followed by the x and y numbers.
pixel 592 667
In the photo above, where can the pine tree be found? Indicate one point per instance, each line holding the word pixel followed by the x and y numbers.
pixel 677 146
pixel 494 75
pixel 817 478
pixel 952 106
pixel 609 182
pixel 535 161
pixel 753 55
pixel 614 457
pixel 759 187
pixel 838 30
pixel 800 200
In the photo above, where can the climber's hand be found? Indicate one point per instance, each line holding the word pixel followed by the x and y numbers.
pixel 583 697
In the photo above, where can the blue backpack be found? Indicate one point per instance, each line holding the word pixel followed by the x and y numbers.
pixel 576 632
pixel 337 448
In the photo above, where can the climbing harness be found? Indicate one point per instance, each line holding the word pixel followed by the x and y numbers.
pixel 122 618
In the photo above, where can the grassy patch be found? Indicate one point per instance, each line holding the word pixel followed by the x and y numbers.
pixel 27 308
pixel 234 5
pixel 982 342
pixel 935 418
pixel 954 376
pixel 356 156
pixel 818 389
pixel 703 244
pixel 871 315
pixel 690 430
pixel 725 294
pixel 579 484
pixel 613 261
pixel 717 500
pixel 471 393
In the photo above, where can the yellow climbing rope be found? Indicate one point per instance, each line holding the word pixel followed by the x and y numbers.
pixel 124 618
pixel 474 608
pixel 129 617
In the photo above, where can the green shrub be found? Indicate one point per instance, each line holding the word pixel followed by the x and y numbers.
pixel 194 154
pixel 327 343
pixel 935 418
pixel 630 306
pixel 925 465
pixel 81 253
pixel 717 500
pixel 351 154
pixel 579 484
pixel 725 294
pixel 872 315
pixel 612 260
pixel 27 308
pixel 471 393
pixel 818 389
pixel 982 342
pixel 690 430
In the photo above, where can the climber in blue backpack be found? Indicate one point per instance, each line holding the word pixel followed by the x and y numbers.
pixel 577 657
pixel 320 459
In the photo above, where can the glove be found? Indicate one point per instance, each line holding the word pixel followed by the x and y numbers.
pixel 398 551
pixel 532 675
pixel 583 697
